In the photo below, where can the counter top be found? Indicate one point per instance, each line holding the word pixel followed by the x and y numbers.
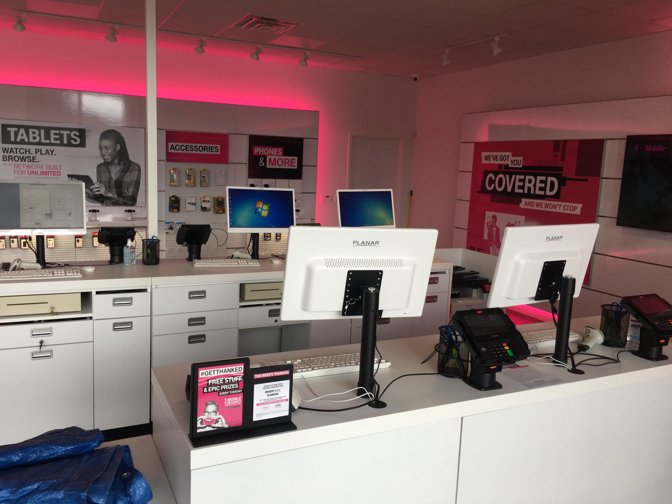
pixel 167 272
pixel 414 400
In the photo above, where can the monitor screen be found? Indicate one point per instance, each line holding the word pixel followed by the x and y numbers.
pixel 320 259
pixel 256 210
pixel 42 208
pixel 365 207
pixel 532 258
pixel 646 187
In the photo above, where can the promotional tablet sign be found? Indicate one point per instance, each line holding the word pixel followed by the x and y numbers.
pixel 230 400
pixel 217 399
pixel 195 147
pixel 109 161
pixel 531 183
pixel 275 157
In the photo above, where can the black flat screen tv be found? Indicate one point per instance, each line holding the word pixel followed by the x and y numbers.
pixel 646 187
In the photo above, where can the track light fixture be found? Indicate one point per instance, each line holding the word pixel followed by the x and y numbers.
pixel 255 54
pixel 200 46
pixel 112 34
pixel 496 48
pixel 19 25
pixel 445 57
pixel 304 60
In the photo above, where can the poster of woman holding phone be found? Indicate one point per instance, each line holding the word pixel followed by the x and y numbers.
pixel 117 177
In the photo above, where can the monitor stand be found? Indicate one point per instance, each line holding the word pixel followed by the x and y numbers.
pixel 254 237
pixel 567 287
pixel 39 251
pixel 367 352
pixel 193 251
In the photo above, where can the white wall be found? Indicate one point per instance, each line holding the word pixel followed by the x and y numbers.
pixel 348 103
pixel 627 261
pixel 632 68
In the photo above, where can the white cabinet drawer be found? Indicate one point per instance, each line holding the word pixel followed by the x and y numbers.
pixel 194 347
pixel 260 316
pixel 438 282
pixel 188 298
pixel 121 372
pixel 196 321
pixel 120 304
pixel 52 333
pixel 47 391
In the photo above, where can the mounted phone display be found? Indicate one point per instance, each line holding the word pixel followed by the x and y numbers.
pixel 655 314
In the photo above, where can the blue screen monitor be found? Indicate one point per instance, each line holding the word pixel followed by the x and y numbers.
pixel 256 210
pixel 365 207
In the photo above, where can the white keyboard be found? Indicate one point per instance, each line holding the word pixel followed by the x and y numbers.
pixel 225 263
pixel 544 339
pixel 41 274
pixel 311 367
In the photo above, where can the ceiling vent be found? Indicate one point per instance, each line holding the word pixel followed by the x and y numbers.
pixel 265 24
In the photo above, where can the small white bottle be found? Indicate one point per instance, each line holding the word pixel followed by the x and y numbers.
pixel 129 253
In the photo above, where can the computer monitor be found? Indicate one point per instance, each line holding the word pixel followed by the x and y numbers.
pixel 193 236
pixel 42 208
pixel 259 210
pixel 540 263
pixel 365 207
pixel 335 272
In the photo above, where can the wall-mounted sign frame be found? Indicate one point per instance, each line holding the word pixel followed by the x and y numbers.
pixel 272 157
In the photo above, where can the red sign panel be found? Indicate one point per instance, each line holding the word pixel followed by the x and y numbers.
pixel 531 183
pixel 194 147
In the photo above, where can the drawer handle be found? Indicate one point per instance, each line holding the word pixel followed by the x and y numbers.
pixel 196 338
pixel 431 299
pixel 433 280
pixel 199 294
pixel 45 354
pixel 274 312
pixel 196 321
pixel 122 301
pixel 122 326
pixel 383 321
pixel 42 332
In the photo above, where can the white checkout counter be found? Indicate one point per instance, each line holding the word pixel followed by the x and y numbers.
pixel 90 366
pixel 547 436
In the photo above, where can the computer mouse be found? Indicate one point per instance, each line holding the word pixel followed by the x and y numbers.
pixel 276 260
pixel 88 269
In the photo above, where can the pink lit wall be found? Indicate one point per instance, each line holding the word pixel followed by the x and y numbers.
pixel 637 67
pixel 348 103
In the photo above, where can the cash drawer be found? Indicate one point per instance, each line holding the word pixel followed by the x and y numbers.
pixel 195 321
pixel 189 298
pixel 51 333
